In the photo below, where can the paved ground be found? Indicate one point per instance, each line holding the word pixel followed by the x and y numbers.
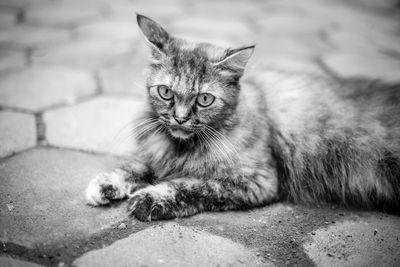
pixel 70 82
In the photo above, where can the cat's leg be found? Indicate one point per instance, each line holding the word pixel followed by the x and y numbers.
pixel 187 196
pixel 118 183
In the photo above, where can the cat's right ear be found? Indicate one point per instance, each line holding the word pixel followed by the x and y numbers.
pixel 154 34
pixel 235 60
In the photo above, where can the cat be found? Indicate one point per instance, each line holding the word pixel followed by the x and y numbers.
pixel 212 142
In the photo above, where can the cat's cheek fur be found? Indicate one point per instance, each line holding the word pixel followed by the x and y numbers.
pixel 105 187
pixel 208 114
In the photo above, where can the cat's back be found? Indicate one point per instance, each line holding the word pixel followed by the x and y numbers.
pixel 299 102
pixel 373 97
pixel 313 109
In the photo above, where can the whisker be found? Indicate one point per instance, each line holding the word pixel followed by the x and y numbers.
pixel 226 139
pixel 158 129
pixel 211 146
pixel 123 134
pixel 147 121
pixel 123 128
pixel 214 139
pixel 145 129
pixel 229 146
pixel 215 132
pixel 224 146
pixel 131 133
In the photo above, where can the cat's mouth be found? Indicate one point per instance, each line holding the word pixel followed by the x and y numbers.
pixel 181 132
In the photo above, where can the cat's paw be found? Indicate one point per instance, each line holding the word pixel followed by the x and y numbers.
pixel 105 187
pixel 153 203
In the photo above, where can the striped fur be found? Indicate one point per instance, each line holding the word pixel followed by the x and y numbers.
pixel 271 136
pixel 337 143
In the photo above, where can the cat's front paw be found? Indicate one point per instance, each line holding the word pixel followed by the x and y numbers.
pixel 153 203
pixel 105 187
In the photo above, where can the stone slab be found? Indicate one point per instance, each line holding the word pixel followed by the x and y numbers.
pixel 126 74
pixel 11 59
pixel 10 262
pixel 214 30
pixel 340 13
pixel 110 29
pixel 299 23
pixel 126 80
pixel 89 53
pixel 23 3
pixel 17 132
pixel 226 9
pixel 375 5
pixel 102 124
pixel 7 20
pixel 37 88
pixel 42 197
pixel 368 242
pixel 153 8
pixel 63 13
pixel 172 245
pixel 27 36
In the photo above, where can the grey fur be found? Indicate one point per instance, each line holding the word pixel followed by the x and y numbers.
pixel 270 137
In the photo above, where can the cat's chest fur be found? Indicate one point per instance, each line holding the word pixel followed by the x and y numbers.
pixel 166 163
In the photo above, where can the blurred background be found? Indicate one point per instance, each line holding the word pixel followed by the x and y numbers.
pixel 71 71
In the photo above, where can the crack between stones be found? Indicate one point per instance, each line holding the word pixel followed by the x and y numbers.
pixel 40 129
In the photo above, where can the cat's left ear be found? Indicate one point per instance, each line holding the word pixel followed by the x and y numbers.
pixel 153 33
pixel 235 60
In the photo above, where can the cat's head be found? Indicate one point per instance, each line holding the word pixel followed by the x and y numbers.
pixel 192 87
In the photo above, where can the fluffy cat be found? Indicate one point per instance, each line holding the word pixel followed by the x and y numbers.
pixel 211 143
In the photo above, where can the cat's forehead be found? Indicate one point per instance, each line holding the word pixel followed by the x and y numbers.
pixel 210 52
pixel 189 63
pixel 192 56
pixel 188 57
pixel 189 68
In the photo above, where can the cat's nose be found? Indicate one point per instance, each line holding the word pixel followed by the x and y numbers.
pixel 181 120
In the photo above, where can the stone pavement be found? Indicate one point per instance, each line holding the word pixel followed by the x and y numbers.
pixel 71 80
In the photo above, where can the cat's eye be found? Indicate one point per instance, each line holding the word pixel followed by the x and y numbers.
pixel 165 92
pixel 205 99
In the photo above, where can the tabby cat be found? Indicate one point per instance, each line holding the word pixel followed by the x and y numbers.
pixel 211 142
